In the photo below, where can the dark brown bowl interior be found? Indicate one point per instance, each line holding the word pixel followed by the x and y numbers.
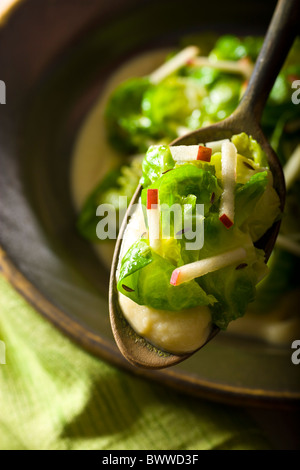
pixel 55 57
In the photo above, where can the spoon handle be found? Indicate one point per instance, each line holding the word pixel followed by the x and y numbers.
pixel 278 41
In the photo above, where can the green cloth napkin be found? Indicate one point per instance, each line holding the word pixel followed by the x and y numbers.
pixel 56 396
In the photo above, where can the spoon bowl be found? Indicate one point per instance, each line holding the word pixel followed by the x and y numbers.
pixel 278 41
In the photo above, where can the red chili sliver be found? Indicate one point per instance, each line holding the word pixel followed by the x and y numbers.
pixel 174 277
pixel 190 62
pixel 204 154
pixel 152 198
pixel 226 221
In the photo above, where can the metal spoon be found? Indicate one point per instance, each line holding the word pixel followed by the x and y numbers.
pixel 278 41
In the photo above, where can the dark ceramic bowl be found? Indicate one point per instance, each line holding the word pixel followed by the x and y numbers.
pixel 55 56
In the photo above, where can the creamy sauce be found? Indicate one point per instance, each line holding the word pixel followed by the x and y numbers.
pixel 92 158
pixel 176 332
